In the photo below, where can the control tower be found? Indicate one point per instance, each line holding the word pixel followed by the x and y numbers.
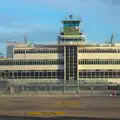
pixel 71 32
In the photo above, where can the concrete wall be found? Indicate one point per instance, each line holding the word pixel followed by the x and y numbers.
pixel 27 81
pixel 98 55
pixel 32 67
pixel 114 80
pixel 39 56
pixel 99 67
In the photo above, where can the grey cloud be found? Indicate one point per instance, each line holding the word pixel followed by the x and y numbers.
pixel 11 28
pixel 43 37
pixel 64 5
pixel 6 19
pixel 27 27
pixel 15 30
pixel 4 30
pixel 35 36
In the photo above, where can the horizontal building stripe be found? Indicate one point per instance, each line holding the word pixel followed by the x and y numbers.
pixel 33 81
pixel 32 67
pixel 38 56
pixel 99 66
pixel 98 56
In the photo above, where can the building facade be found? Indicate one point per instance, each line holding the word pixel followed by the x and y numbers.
pixel 70 61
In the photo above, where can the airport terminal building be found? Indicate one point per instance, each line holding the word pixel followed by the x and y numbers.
pixel 70 61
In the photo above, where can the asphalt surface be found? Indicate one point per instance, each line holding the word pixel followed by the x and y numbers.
pixel 53 118
pixel 82 108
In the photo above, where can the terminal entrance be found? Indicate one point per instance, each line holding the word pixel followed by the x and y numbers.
pixel 113 87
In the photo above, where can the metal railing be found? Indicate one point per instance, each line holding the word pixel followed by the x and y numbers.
pixel 81 89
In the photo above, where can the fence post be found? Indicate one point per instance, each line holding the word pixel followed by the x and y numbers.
pixel 22 89
pixel 50 88
pixel 64 88
pixel 91 89
pixel 12 90
pixel 78 89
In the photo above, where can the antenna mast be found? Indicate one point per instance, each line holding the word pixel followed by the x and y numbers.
pixel 112 41
pixel 25 38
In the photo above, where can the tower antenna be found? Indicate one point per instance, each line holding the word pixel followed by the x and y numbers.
pixel 25 38
pixel 112 39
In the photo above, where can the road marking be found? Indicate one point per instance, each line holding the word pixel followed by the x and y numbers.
pixel 46 113
pixel 66 105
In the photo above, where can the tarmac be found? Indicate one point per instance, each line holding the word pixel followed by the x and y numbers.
pixel 57 106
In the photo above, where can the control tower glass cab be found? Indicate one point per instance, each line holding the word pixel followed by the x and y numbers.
pixel 71 33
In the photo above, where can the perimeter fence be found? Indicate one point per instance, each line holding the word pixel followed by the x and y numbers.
pixel 89 89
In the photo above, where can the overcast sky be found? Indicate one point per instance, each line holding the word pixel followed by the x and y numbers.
pixel 40 19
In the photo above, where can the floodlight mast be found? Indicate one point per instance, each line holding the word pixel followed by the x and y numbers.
pixel 70 16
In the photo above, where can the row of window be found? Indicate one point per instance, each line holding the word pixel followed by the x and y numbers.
pixel 62 33
pixel 99 61
pixel 69 40
pixel 99 70
pixel 58 62
pixel 61 50
pixel 38 51
pixel 99 51
pixel 71 24
pixel 99 74
pixel 32 62
pixel 32 74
